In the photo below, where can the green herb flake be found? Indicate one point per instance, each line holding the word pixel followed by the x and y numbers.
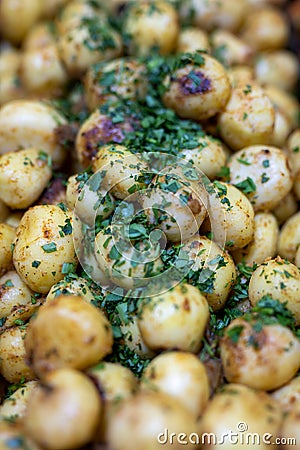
pixel 49 248
pixel 35 263
pixel 247 186
pixel 234 333
pixel 67 268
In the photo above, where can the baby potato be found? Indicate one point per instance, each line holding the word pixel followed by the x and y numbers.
pixel 282 128
pixel 263 173
pixel 13 218
pixel 209 156
pixel 13 293
pixel 241 75
pixel 7 237
pixel 286 208
pixel 191 39
pixel 128 266
pixel 151 25
pixel 24 174
pixel 40 36
pixel 211 14
pixel 93 40
pixel 230 217
pixel 42 72
pixel 72 14
pixel 13 365
pixel 296 186
pixel 177 211
pixel 13 434
pixel 289 237
pixel 86 202
pixel 280 68
pixel 288 396
pixel 285 102
pixel 71 286
pixel 248 118
pixel 67 332
pixel 174 319
pixel 163 412
pixel 9 60
pixel 51 7
pixel 16 18
pixel 10 88
pixel 259 413
pixel 207 255
pixel 182 376
pixel 4 213
pixel 63 411
pixel 97 131
pixel 121 168
pixel 120 78
pixel 293 150
pixel 30 123
pixel 133 338
pixel 259 356
pixel 16 404
pixel 44 246
pixel 264 242
pixel 199 90
pixel 279 279
pixel 230 49
pixel 266 28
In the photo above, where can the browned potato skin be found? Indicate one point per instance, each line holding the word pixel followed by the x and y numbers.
pixel 198 101
pixel 7 236
pixel 67 332
pixel 269 362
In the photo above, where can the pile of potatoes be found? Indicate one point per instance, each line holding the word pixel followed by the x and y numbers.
pixel 59 174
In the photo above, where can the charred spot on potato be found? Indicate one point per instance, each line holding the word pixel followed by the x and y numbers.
pixel 194 82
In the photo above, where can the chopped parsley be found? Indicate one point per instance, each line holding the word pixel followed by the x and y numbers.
pixel 49 248
pixel 247 186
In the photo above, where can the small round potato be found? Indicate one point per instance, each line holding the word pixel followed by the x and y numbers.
pixel 30 123
pixel 261 357
pixel 289 238
pixel 199 90
pixel 288 396
pixel 282 128
pixel 44 246
pixel 285 102
pixel 263 174
pixel 71 286
pixel 211 14
pixel 286 208
pixel 230 217
pixel 290 430
pixel 174 319
pixel 279 279
pixel 67 332
pixel 13 293
pixel 40 36
pixel 240 414
pixel 191 39
pixel 16 404
pixel 24 174
pixel 120 78
pixel 9 60
pixel 16 18
pixel 279 68
pixel 241 75
pixel 153 24
pixel 230 49
pixel 182 376
pixel 7 237
pixel 264 244
pixel 209 156
pixel 72 14
pixel 293 150
pixel 162 411
pixel 10 88
pixel 13 365
pixel 266 29
pixel 248 117
pixel 97 131
pixel 42 72
pixel 63 411
pixel 207 255
pixel 133 338
pixel 13 434
pixel 121 169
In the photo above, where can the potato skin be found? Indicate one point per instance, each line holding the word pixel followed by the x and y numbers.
pixel 198 100
pixel 270 360
pixel 44 242
pixel 7 237
pixel 174 319
pixel 23 177
pixel 279 279
pixel 63 411
pixel 67 332
pixel 289 238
